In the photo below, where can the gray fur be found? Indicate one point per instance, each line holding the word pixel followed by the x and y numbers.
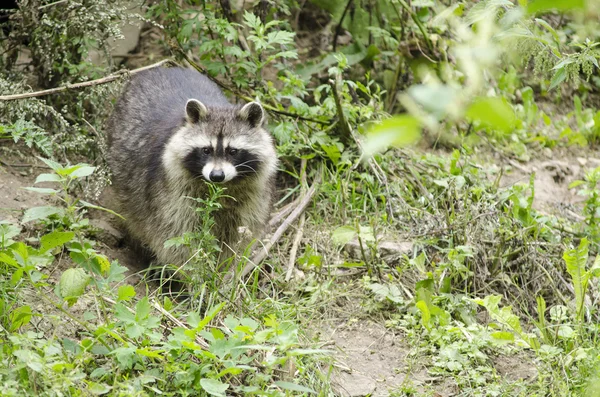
pixel 153 126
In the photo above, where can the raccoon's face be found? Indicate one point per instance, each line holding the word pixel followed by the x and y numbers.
pixel 221 144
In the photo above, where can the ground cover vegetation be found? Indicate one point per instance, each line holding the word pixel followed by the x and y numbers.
pixel 438 181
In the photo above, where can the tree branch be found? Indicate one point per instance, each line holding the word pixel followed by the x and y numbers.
pixel 103 80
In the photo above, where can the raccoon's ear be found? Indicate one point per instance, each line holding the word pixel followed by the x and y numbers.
pixel 253 113
pixel 195 111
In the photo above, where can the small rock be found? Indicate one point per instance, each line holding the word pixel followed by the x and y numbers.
pixel 582 161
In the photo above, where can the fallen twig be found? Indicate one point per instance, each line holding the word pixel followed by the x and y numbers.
pixel 103 80
pixel 283 212
pixel 262 254
pixel 300 231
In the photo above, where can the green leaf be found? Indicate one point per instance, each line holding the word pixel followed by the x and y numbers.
pixel 535 6
pixel 492 112
pixel 559 76
pixel 126 292
pixel 98 389
pixel 503 336
pixel 36 213
pixel 72 284
pixel 576 260
pixel 52 164
pixel 397 131
pixel 425 314
pixel 55 239
pixel 20 317
pixel 343 235
pixel 82 171
pixel 142 309
pixel 47 178
pixel 214 387
pixel 294 387
pixel 42 190
pixel 208 318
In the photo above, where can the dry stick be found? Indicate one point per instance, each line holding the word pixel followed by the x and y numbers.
pixel 298 238
pixel 283 212
pixel 295 246
pixel 90 83
pixel 260 256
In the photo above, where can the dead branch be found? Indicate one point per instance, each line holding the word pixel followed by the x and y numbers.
pixel 103 80
pixel 300 231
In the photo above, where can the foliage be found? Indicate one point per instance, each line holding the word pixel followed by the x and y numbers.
pixel 349 86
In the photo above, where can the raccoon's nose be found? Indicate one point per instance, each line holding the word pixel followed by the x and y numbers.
pixel 217 176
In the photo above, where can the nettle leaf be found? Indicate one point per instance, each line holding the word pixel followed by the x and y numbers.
pixel 72 284
pixel 492 112
pixel 398 131
pixel 214 387
pixel 559 76
pixel 343 235
pixel 36 213
pixel 55 239
pixel 534 6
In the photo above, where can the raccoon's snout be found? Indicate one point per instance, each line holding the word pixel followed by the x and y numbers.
pixel 217 176
pixel 220 172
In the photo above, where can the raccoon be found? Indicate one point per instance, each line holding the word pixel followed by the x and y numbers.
pixel 172 131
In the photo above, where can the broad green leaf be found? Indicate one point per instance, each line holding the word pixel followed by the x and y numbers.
pixel 294 387
pixel 42 190
pixel 214 387
pixel 20 317
pixel 7 232
pixel 397 131
pixel 343 235
pixel 36 213
pixel 101 264
pixel 492 112
pixel 125 293
pixel 72 284
pixel 82 171
pixel 98 389
pixel 55 239
pixel 142 309
pixel 534 6
pixel 47 178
